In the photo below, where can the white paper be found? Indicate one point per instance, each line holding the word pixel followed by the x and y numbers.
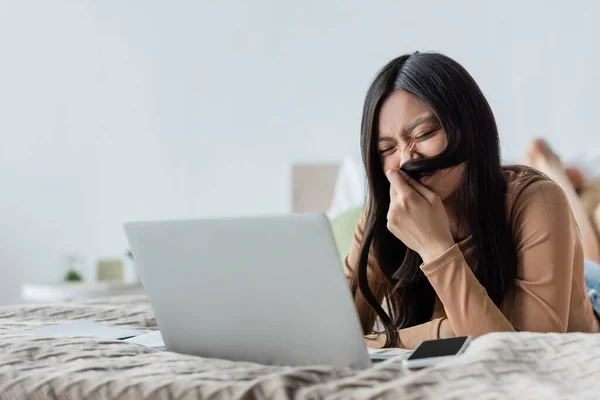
pixel 85 328
pixel 155 340
pixel 151 339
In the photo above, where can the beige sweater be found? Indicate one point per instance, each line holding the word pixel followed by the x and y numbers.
pixel 549 294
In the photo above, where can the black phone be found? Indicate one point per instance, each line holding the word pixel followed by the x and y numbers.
pixel 431 352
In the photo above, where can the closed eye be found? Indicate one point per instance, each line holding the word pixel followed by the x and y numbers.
pixel 426 135
pixel 387 149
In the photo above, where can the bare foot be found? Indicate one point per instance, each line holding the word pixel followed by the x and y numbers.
pixel 540 156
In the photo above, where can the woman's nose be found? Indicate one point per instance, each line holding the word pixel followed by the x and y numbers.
pixel 406 155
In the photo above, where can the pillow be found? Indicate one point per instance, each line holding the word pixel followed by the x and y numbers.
pixel 349 191
pixel 343 227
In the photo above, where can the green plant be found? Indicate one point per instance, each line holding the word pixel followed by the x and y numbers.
pixel 129 254
pixel 73 276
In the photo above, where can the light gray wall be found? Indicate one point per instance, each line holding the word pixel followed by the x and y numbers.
pixel 114 110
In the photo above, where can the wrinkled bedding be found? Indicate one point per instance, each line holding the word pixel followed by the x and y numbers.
pixel 501 365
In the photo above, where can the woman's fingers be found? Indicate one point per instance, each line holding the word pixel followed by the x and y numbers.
pixel 399 184
pixel 427 194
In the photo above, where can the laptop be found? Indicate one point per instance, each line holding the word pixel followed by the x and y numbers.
pixel 269 290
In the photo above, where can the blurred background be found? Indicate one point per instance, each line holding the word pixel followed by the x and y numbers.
pixel 122 110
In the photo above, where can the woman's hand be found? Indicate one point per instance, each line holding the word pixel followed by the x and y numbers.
pixel 417 217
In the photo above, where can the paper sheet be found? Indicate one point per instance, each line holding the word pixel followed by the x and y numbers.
pixel 85 328
pixel 151 339
pixel 155 341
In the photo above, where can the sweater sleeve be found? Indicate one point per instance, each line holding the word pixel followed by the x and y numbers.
pixel 547 238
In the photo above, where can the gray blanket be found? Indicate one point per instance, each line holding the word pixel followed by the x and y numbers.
pixel 521 365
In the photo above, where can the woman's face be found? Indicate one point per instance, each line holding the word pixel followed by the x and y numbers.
pixel 409 130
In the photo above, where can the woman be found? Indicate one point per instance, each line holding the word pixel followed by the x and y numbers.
pixel 464 246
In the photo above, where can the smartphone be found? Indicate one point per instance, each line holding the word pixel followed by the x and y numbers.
pixel 431 352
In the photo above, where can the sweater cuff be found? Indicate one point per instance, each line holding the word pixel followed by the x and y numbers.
pixel 447 257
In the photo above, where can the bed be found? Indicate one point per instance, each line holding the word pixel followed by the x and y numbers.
pixel 518 365
pixel 500 365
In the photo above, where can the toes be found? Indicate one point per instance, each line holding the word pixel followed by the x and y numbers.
pixel 540 150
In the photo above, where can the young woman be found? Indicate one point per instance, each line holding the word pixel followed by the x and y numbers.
pixel 450 242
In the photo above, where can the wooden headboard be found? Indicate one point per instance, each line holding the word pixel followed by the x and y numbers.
pixel 312 186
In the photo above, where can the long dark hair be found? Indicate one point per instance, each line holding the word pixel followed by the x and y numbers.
pixel 462 110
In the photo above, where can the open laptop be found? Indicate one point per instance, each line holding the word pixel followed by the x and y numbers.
pixel 269 290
